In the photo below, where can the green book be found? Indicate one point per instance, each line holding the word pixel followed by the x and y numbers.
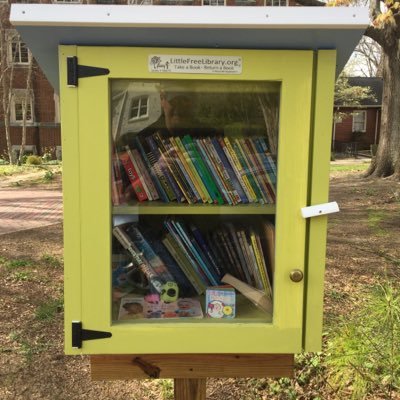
pixel 202 170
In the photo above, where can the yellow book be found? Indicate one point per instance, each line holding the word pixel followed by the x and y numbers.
pixel 260 263
pixel 198 182
pixel 182 158
pixel 241 174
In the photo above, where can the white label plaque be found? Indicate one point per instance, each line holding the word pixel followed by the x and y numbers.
pixel 189 64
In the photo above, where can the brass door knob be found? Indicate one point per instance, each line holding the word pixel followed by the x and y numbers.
pixel 296 275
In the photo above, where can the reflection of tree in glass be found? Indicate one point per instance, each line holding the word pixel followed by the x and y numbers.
pixel 241 112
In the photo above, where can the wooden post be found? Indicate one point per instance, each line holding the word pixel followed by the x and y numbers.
pixel 190 371
pixel 190 389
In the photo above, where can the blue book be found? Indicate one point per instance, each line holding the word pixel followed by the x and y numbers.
pixel 177 191
pixel 185 237
pixel 150 168
pixel 198 236
pixel 225 162
pixel 172 230
pixel 267 159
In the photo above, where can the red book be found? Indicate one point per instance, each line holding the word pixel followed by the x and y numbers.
pixel 133 176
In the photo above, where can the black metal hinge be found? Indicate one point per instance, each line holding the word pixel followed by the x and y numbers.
pixel 79 334
pixel 76 71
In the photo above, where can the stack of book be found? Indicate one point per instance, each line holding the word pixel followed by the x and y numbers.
pixel 188 256
pixel 214 170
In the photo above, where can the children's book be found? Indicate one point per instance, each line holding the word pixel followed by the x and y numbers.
pixel 151 307
pixel 220 302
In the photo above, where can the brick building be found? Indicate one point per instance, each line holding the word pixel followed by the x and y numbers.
pixel 360 129
pixel 42 106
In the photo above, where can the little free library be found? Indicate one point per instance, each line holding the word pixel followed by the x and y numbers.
pixel 196 148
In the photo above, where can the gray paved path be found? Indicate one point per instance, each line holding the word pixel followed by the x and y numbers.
pixel 28 208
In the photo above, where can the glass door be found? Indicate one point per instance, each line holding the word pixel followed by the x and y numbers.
pixel 191 189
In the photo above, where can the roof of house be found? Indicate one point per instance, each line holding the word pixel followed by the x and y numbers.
pixel 376 85
pixel 45 26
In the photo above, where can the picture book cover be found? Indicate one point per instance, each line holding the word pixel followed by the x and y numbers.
pixel 151 307
pixel 221 302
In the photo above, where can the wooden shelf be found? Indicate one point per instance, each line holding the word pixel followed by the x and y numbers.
pixel 153 208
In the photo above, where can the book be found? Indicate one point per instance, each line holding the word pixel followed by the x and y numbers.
pixel 171 161
pixel 184 264
pixel 153 194
pixel 255 242
pixel 268 245
pixel 229 190
pixel 237 249
pixel 183 246
pixel 135 307
pixel 220 302
pixel 202 170
pixel 198 236
pixel 196 252
pixel 186 170
pixel 212 168
pixel 133 176
pixel 257 297
pixel 205 196
pixel 148 253
pixel 177 193
pixel 240 173
pixel 249 171
pixel 228 168
pixel 138 260
pixel 146 156
pixel 261 174
pixel 139 172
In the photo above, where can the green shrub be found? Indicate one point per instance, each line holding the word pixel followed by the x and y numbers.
pixel 33 160
pixel 48 176
pixel 364 352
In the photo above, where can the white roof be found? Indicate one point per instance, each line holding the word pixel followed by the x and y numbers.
pixel 44 26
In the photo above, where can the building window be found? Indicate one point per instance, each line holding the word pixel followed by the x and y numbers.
pixel 18 53
pixel 21 105
pixel 139 108
pixel 359 121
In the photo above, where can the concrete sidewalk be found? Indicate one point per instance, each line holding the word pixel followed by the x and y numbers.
pixel 28 208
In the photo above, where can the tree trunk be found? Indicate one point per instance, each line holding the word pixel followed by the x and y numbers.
pixel 387 160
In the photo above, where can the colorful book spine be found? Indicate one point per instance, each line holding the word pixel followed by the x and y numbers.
pixel 165 171
pixel 146 177
pixel 198 236
pixel 263 176
pixel 240 173
pixel 249 171
pixel 133 176
pixel 156 180
pixel 223 173
pixel 238 251
pixel 227 166
pixel 213 169
pixel 203 171
pixel 172 230
pixel 205 196
pixel 140 173
pixel 260 264
pixel 267 161
pixel 183 263
pixel 169 161
pixel 138 259
pixel 196 254
pixel 186 170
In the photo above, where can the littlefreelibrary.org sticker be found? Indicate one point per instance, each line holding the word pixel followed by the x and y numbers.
pixel 190 64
